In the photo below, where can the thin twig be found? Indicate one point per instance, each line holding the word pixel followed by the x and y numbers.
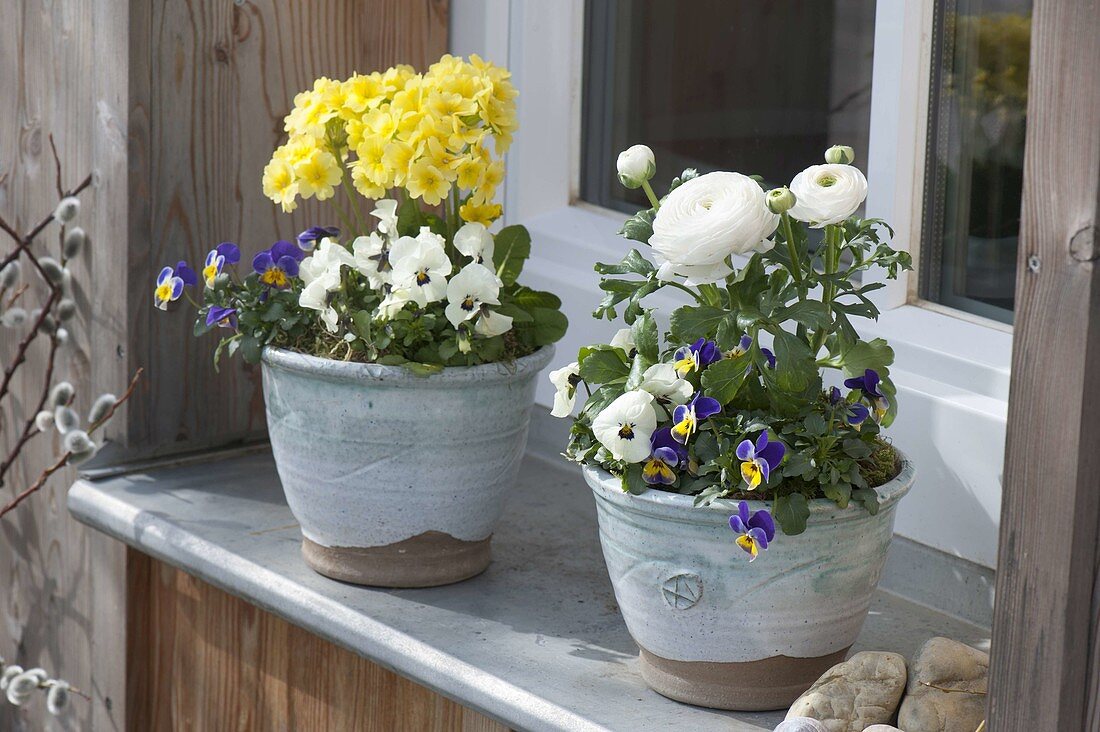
pixel 29 430
pixel 21 352
pixel 952 691
pixel 23 242
pixel 57 166
pixel 64 459
pixel 17 294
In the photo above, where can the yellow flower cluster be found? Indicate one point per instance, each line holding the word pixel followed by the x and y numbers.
pixel 434 134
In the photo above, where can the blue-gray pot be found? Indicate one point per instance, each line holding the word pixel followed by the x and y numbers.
pixel 720 631
pixel 397 480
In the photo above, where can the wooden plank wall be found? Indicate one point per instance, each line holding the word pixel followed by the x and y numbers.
pixel 210 661
pixel 176 106
pixel 1045 670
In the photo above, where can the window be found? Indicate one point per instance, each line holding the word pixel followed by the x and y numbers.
pixel 975 158
pixel 754 87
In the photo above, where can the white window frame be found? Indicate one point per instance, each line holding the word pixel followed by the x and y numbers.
pixel 952 368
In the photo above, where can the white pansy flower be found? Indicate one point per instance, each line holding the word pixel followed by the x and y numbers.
pixel 331 319
pixel 314 296
pixel 372 258
pixel 827 194
pixel 420 266
pixel 635 165
pixel 491 324
pixel 624 339
pixel 662 381
pixel 326 261
pixel 393 302
pixel 565 382
pixel 625 426
pixel 476 285
pixel 475 241
pixel 385 210
pixel 707 219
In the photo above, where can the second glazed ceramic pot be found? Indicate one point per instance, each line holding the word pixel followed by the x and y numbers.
pixel 397 480
pixel 718 631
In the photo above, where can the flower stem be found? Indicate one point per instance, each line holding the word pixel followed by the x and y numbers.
pixel 792 251
pixel 829 259
pixel 688 290
pixel 710 295
pixel 651 195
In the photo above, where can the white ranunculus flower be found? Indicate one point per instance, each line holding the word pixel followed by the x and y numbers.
pixel 385 210
pixel 565 382
pixel 420 266
pixel 827 194
pixel 491 324
pixel 475 241
pixel 635 165
pixel 624 339
pixel 700 274
pixel 372 258
pixel 662 381
pixel 625 426
pixel 467 291
pixel 709 218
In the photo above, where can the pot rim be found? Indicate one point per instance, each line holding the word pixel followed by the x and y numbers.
pixel 353 371
pixel 680 507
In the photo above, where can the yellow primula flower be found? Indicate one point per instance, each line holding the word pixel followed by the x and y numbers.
pixel 363 183
pixel 397 158
pixel 310 117
pixel 298 148
pixel 280 185
pixel 318 175
pixel 469 169
pixel 381 123
pixel 427 182
pixel 491 177
pixel 363 92
pixel 481 214
pixel 370 153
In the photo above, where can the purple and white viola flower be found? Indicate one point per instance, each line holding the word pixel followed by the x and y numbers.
pixel 686 417
pixel 754 532
pixel 742 346
pixel 855 413
pixel 222 317
pixel 662 381
pixel 696 357
pixel 278 265
pixel 225 253
pixel 868 385
pixel 169 287
pixel 759 460
pixel 666 454
pixel 309 238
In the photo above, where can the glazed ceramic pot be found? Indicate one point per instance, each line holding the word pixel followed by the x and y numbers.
pixel 718 631
pixel 397 480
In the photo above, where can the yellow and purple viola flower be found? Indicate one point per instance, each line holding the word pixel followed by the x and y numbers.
pixel 868 384
pixel 309 238
pixel 222 317
pixel 686 417
pixel 742 346
pixel 754 532
pixel 855 413
pixel 759 460
pixel 278 265
pixel 696 357
pixel 667 455
pixel 170 284
pixel 216 259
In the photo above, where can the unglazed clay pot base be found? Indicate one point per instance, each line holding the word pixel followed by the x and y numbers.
pixel 427 560
pixel 752 686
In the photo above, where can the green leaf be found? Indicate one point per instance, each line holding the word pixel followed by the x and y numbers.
pixel 409 219
pixel 423 369
pixel 601 398
pixel 632 263
pixel 795 368
pixel 723 379
pixel 517 313
pixel 791 512
pixel 688 323
pixel 868 497
pixel 549 325
pixel 646 340
pixel 361 321
pixel 857 357
pixel 527 298
pixel 603 365
pixel 639 227
pixel 637 368
pixel 511 248
pixel 811 313
pixel 250 349
pixel 838 493
pixel 632 480
pixel 201 328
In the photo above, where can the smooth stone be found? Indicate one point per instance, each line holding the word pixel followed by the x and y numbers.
pixel 950 665
pixel 851 696
pixel 882 728
pixel 800 724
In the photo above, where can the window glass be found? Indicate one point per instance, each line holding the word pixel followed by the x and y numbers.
pixel 975 160
pixel 760 88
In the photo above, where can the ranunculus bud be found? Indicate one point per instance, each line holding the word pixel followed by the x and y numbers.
pixel 65 419
pixel 43 420
pixel 57 698
pixel 780 200
pixel 77 442
pixel 74 242
pixel 13 317
pixel 52 269
pixel 67 209
pixel 99 408
pixel 9 276
pixel 61 394
pixel 66 309
pixel 636 165
pixel 840 155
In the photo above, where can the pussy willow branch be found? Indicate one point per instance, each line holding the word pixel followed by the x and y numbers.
pixel 22 243
pixel 64 459
pixel 21 352
pixel 29 429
